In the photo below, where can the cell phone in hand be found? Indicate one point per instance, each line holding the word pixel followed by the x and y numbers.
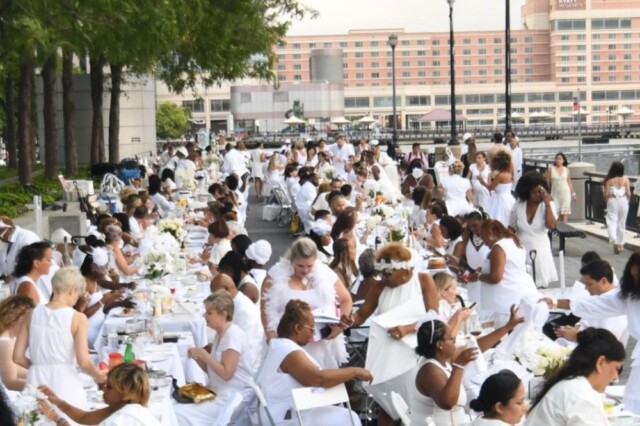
pixel 325 332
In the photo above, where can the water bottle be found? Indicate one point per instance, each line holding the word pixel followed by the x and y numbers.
pixel 156 331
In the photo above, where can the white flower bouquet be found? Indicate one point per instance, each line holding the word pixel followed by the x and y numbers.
pixel 186 178
pixel 327 173
pixel 539 354
pixel 371 187
pixel 384 211
pixel 26 405
pixel 173 227
pixel 373 221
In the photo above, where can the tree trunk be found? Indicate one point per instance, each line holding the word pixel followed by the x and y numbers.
pixel 49 112
pixel 25 147
pixel 10 123
pixel 69 115
pixel 114 113
pixel 97 126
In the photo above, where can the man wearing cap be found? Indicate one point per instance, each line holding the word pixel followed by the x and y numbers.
pixel 340 153
pixel 416 154
pixel 13 238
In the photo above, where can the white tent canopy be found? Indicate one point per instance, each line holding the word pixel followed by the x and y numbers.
pixel 515 116
pixel 540 115
pixel 367 119
pixel 293 120
pixel 340 120
pixel 624 112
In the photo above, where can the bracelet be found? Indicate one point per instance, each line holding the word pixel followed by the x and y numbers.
pixel 554 302
pixel 461 367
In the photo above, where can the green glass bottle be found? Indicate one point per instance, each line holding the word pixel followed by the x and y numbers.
pixel 129 356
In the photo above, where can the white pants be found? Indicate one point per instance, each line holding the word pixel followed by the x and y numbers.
pixel 617 209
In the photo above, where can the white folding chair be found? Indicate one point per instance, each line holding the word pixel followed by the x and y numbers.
pixel 401 408
pixel 262 404
pixel 308 398
pixel 229 409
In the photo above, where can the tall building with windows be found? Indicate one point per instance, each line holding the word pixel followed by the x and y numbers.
pixel 564 46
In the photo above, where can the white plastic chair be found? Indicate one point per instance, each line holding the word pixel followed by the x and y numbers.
pixel 229 409
pixel 308 398
pixel 262 404
pixel 401 408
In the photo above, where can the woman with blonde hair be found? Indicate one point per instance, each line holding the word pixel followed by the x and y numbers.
pixel 12 313
pixel 126 393
pixel 56 337
pixel 458 194
pixel 301 275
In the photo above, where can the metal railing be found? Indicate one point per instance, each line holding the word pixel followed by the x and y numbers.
pixel 595 202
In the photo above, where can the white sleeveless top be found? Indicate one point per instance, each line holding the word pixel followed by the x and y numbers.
pixel 52 354
pixel 97 319
pixel 14 288
pixel 476 259
pixel 392 297
pixel 423 406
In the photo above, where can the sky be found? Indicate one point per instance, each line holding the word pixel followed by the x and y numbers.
pixel 340 16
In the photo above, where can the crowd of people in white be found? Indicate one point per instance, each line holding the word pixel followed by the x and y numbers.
pixel 479 222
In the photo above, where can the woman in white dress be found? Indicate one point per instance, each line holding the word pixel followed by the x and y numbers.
pixel 400 284
pixel 573 396
pixel 219 237
pixel 117 260
pixel 480 168
pixel 126 393
pixel 506 282
pixel 501 201
pixel 258 159
pixel 300 275
pixel 617 191
pixel 457 191
pixel 344 262
pixel 450 308
pixel 288 366
pixel 33 262
pixel 476 256
pixel 532 217
pixel 13 311
pixel 228 364
pixel 56 337
pixel 160 201
pixel 561 186
pixel 501 400
pixel 438 392
pixel 299 153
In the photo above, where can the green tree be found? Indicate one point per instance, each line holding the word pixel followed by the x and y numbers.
pixel 172 121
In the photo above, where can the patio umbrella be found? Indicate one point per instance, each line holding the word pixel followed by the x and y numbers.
pixel 439 115
pixel 340 121
pixel 293 120
pixel 582 112
pixel 540 115
pixel 625 113
pixel 515 116
pixel 367 119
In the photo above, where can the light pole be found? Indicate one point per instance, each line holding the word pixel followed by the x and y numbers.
pixel 454 135
pixel 507 59
pixel 393 42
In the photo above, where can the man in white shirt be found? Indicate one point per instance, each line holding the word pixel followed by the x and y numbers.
pixel 516 156
pixel 597 276
pixel 167 154
pixel 13 239
pixel 234 162
pixel 340 153
pixel 306 195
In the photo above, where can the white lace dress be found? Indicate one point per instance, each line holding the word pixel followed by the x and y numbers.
pixel 321 294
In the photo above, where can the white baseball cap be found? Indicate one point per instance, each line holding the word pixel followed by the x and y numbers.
pixel 466 137
pixel 287 141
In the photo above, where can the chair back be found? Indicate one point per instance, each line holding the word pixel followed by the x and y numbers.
pixel 308 398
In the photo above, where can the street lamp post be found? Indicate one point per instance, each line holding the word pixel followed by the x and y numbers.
pixel 454 137
pixel 393 42
pixel 507 59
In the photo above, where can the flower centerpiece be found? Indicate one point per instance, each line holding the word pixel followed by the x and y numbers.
pixel 186 178
pixel 327 173
pixel 371 187
pixel 172 227
pixel 160 252
pixel 26 405
pixel 539 354
pixel 396 231
pixel 182 202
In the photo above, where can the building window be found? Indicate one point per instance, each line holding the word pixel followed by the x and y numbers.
pixel 596 78
pixel 568 25
pixel 405 53
pixel 564 69
pixel 406 63
pixel 296 46
pixel 595 36
pixel 595 47
pixel 564 48
pixel 422 63
pixel 345 65
pixel 466 52
pixel 280 96
pixel 421 42
pixel 245 98
pixel 359 54
pixel 497 40
pixel 327 45
pixel 482 51
pixel 466 62
pixel 406 74
pixel 467 72
pixel 482 62
pixel 220 105
pixel 466 41
pixel 374 65
pixel 497 61
pixel 359 65
pixel 375 75
pixel 297 67
pixel 497 51
pixel 385 101
pixel 359 75
pixel 280 58
pixel 343 44
pixel 436 73
pixel 581 58
pixel 497 72
pixel 312 45
pixel 612 78
pixel 436 63
pixel 356 102
pixel 435 53
pixel 627 56
pixel 627 35
pixel 565 37
pixel 627 78
pixel 375 54
pixel 297 77
pixel 611 68
pixel 281 77
pixel 296 56
pixel 345 55
pixel 582 68
pixel 483 72
pixel 374 44
pixel 358 44
pixel 595 57
pixel 281 67
pixel 418 100
pixel 528 50
pixel 435 42
pixel 627 46
pixel 627 67
pixel 580 37
pixel 405 43
pixel 565 80
pixel 422 52
pixel 611 57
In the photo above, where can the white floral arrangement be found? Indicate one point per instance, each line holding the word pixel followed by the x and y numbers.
pixel 539 354
pixel 371 187
pixel 327 173
pixel 373 221
pixel 403 212
pixel 384 211
pixel 187 177
pixel 160 250
pixel 26 405
pixel 397 230
pixel 173 227
pixel 212 159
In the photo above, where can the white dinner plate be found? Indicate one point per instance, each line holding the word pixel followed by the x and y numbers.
pixel 615 391
pixel 120 312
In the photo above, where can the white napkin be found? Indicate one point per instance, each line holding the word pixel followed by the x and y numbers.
pixel 536 313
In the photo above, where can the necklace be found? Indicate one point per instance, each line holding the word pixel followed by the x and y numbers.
pixel 477 241
pixel 219 338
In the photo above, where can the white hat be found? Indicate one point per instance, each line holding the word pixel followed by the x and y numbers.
pixel 182 150
pixel 466 137
pixel 260 252
pixel 60 236
pixel 374 142
pixel 100 256
pixel 287 141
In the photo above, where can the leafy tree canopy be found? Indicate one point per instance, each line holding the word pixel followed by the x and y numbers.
pixel 172 121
